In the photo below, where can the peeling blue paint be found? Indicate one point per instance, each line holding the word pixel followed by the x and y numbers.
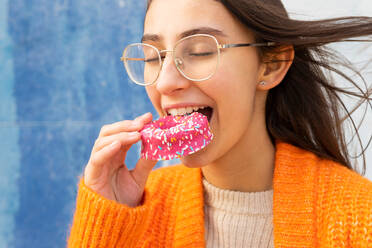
pixel 61 80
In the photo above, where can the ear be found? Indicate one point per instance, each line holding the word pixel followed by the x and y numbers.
pixel 275 66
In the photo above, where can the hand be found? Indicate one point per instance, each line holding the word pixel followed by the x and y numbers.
pixel 106 172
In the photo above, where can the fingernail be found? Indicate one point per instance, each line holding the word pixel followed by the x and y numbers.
pixel 141 116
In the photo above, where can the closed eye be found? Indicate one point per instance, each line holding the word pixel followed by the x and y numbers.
pixel 201 54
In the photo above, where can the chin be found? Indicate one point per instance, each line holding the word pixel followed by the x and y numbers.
pixel 196 160
pixel 193 166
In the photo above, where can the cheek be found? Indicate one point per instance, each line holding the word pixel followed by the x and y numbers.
pixel 235 89
pixel 234 81
pixel 154 97
pixel 150 93
pixel 244 60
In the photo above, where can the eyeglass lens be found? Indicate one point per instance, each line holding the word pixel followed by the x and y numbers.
pixel 196 57
pixel 142 63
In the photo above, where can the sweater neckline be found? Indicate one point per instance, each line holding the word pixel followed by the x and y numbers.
pixel 237 202
pixel 294 194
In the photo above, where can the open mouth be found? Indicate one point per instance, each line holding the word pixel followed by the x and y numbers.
pixel 206 111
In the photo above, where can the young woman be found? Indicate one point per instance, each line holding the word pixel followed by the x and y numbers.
pixel 277 172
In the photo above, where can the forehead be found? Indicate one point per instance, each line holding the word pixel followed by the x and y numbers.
pixel 168 19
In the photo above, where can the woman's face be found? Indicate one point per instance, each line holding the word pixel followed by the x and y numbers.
pixel 231 92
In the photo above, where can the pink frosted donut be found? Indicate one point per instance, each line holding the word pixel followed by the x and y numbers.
pixel 175 136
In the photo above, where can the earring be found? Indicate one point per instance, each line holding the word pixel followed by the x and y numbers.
pixel 262 83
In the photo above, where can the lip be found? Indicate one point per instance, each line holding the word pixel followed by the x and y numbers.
pixel 183 105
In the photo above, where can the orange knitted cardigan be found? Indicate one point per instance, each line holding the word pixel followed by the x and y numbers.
pixel 317 203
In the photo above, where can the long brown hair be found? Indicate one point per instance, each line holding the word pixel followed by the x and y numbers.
pixel 305 108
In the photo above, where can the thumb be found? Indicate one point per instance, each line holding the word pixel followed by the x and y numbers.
pixel 142 170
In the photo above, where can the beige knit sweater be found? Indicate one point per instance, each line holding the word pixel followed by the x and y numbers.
pixel 237 219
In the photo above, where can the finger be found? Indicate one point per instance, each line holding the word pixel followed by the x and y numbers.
pixel 117 127
pixel 142 170
pixel 105 155
pixel 125 139
pixel 99 159
pixel 144 116
pixel 125 126
pixel 143 119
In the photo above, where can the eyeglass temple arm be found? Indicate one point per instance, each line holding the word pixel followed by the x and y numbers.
pixel 271 43
pixel 122 58
pixel 248 44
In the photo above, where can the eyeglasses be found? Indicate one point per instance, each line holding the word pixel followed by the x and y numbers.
pixel 196 57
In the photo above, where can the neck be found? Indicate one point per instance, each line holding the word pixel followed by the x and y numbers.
pixel 247 167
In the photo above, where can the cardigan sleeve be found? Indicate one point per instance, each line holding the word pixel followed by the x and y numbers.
pixel 99 222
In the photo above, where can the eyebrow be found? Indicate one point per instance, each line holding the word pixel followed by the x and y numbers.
pixel 199 30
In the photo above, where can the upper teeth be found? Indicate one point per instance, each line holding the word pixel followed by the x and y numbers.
pixel 183 111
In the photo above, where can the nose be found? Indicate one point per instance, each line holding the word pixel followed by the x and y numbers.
pixel 170 80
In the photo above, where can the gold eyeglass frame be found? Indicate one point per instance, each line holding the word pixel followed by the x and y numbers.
pixel 159 52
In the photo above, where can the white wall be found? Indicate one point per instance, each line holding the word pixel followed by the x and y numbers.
pixel 318 9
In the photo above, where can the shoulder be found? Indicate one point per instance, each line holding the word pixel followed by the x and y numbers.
pixel 344 198
pixel 338 179
pixel 329 177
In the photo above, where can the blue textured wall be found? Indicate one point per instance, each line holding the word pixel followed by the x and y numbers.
pixel 61 80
